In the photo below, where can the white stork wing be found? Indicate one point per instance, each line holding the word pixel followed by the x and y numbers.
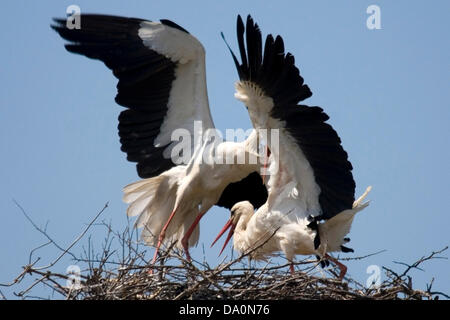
pixel 312 161
pixel 161 72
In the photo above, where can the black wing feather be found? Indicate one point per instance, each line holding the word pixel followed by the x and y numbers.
pixel 145 79
pixel 276 74
pixel 250 189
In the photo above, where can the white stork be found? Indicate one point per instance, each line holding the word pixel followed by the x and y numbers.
pixel 162 83
pixel 262 233
pixel 313 179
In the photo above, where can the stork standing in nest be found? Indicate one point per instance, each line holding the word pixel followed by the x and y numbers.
pixel 310 205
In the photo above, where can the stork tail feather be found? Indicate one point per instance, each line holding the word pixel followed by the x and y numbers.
pixel 153 201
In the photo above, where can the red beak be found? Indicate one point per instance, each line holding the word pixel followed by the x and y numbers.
pixel 230 226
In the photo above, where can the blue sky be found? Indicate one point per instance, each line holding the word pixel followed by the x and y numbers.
pixel 386 92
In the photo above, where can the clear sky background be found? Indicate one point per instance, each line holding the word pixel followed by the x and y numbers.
pixel 386 91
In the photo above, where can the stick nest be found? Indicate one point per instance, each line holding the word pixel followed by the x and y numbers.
pixel 124 273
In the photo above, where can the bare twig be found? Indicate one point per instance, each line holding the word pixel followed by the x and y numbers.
pixel 42 231
pixel 74 241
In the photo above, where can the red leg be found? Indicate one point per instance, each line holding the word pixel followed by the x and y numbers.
pixel 185 240
pixel 291 268
pixel 341 267
pixel 161 236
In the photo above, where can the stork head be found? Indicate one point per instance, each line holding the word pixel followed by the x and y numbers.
pixel 240 213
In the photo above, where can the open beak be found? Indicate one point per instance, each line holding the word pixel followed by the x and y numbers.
pixel 230 226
